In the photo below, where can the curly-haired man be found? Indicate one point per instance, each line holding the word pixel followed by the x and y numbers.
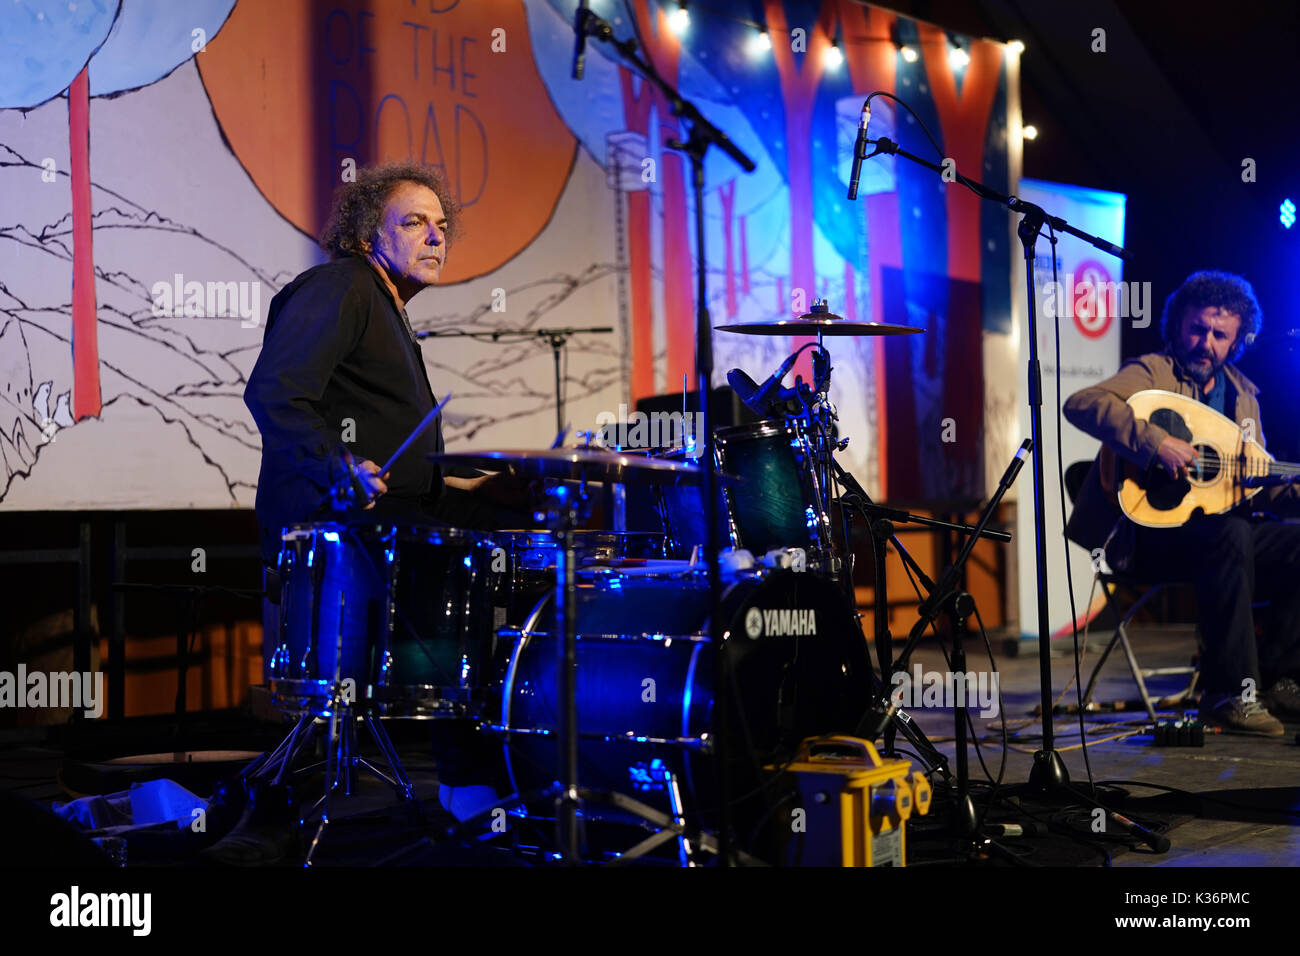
pixel 1231 558
pixel 340 361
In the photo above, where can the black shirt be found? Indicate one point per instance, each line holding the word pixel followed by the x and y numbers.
pixel 338 360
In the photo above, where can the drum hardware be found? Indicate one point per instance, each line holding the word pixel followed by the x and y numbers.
pixel 796 665
pixel 416 632
pixel 701 134
pixel 557 337
pixel 880 521
pixel 342 759
pixel 948 596
pixel 568 508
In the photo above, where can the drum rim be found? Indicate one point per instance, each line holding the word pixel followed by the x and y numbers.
pixel 406 530
pixel 764 428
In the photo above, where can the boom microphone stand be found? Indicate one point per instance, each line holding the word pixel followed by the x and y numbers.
pixel 1048 774
pixel 881 520
pixel 556 337
pixel 703 134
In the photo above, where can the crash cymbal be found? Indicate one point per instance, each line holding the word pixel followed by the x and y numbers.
pixel 817 323
pixel 592 464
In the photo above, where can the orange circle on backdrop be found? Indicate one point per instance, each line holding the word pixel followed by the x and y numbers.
pixel 300 87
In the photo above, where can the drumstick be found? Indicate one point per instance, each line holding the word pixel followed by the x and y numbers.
pixel 428 420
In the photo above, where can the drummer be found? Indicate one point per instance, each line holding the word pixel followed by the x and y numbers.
pixel 341 382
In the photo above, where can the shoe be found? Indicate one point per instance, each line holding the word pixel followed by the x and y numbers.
pixel 1235 716
pixel 1284 697
pixel 265 834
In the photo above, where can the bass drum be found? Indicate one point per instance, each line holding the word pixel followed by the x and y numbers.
pixel 645 682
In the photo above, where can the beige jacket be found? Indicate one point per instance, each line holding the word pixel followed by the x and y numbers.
pixel 1100 410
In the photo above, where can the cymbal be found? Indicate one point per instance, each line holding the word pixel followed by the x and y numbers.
pixel 592 464
pixel 815 323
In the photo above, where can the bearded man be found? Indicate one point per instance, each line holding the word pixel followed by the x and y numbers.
pixel 1233 559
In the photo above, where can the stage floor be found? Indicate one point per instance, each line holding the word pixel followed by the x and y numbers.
pixel 1246 815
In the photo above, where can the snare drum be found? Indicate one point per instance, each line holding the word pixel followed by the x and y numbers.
pixel 403 613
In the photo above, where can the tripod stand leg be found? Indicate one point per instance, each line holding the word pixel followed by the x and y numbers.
pixel 685 853
pixel 336 765
pixel 400 781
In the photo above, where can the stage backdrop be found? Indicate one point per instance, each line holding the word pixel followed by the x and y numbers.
pixel 166 168
pixel 1090 348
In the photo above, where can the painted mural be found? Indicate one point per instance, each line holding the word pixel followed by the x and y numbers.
pixel 165 167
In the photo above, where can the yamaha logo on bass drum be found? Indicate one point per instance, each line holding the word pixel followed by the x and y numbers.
pixel 785 622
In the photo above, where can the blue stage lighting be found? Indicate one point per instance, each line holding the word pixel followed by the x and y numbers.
pixel 1286 212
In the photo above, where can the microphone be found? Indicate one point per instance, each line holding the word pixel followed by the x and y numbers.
pixel 1028 829
pixel 759 397
pixel 1156 841
pixel 580 39
pixel 859 149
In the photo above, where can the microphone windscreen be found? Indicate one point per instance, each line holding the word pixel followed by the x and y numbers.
pixel 742 385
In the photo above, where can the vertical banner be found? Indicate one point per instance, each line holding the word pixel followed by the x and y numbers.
pixel 1087 305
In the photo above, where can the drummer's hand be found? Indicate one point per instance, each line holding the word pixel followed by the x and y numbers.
pixel 501 488
pixel 371 480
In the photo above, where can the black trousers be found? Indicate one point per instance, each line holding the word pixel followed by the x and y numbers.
pixel 1234 561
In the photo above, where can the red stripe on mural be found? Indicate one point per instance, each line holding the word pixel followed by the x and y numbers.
pixel 85 336
pixel 744 258
pixel 643 352
pixel 727 193
pixel 964 121
pixel 800 75
pixel 872 66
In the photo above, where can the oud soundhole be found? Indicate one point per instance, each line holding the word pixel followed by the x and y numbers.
pixel 1208 464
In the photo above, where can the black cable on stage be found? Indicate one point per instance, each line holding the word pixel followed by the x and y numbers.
pixel 1060 487
pixel 1284 811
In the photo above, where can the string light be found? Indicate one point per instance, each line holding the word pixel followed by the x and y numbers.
pixel 834 56
pixel 760 42
pixel 907 51
pixel 680 19
pixel 957 55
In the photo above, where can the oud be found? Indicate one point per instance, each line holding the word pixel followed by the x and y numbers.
pixel 1230 467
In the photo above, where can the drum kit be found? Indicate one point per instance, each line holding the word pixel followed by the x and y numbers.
pixel 583 658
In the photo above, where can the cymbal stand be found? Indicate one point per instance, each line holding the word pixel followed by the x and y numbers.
pixel 557 338
pixel 701 135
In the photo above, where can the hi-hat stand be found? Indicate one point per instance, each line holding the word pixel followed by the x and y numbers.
pixel 342 759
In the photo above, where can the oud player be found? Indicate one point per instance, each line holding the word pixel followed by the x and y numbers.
pixel 1233 559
